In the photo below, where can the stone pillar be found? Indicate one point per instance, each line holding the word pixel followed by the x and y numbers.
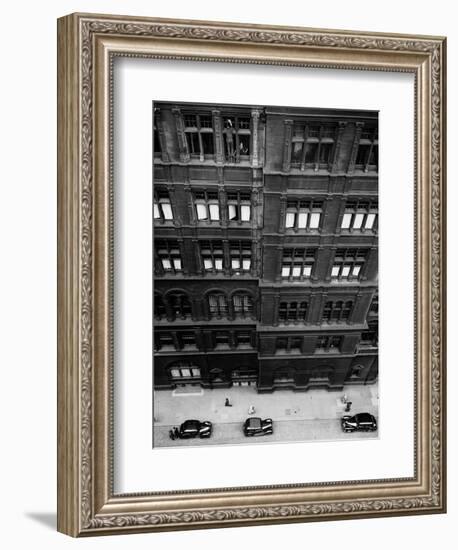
pixel 338 143
pixel 287 145
pixel 354 149
pixel 218 137
pixel 255 133
pixel 182 142
pixel 161 134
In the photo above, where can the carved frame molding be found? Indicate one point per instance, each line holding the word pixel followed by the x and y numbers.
pixel 87 46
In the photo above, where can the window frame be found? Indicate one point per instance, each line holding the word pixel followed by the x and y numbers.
pixel 198 130
pixel 305 261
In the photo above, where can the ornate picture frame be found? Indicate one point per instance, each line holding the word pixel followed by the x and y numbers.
pixel 87 46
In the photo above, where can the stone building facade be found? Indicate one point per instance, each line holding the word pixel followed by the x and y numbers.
pixel 265 247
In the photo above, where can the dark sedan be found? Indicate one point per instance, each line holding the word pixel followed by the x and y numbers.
pixel 257 426
pixel 195 428
pixel 362 422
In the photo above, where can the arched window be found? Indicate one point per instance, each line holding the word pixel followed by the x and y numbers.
pixel 180 305
pixel 243 305
pixel 159 307
pixel 217 305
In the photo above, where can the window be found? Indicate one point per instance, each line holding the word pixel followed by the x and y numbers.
pixel 334 312
pixel 187 340
pixel 296 344
pixel 312 145
pixel 356 371
pixel 207 206
pixel 212 255
pixel 242 305
pixel 243 339
pixel 369 338
pixel 199 135
pixel 281 344
pixel 162 207
pixel 159 307
pixel 367 156
pixel 222 340
pixel 360 215
pixel 183 369
pixel 164 341
pixel 240 256
pixel 302 214
pixel 217 305
pixel 169 255
pixel 238 206
pixel 180 305
pixel 289 344
pixel 374 305
pixel 237 137
pixel 297 263
pixel 328 343
pixel 292 312
pixel 348 263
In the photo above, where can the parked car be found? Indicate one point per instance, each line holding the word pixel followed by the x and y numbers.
pixel 257 426
pixel 195 428
pixel 361 422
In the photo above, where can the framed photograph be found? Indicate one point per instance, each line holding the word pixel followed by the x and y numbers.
pixel 238 207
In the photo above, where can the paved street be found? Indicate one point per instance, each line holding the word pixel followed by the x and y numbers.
pixel 313 415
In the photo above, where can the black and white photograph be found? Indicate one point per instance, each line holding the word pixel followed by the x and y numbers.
pixel 265 274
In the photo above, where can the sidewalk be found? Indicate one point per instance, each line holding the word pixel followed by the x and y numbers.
pixel 173 407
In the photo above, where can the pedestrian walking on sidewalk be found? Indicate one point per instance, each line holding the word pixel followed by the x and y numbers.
pixel 227 403
pixel 171 434
pixel 251 410
pixel 348 406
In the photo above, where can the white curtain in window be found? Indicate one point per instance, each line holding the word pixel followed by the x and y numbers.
pixel 167 211
pixel 219 264
pixel 358 221
pixel 177 264
pixel 315 220
pixel 370 221
pixel 214 212
pixel 201 211
pixel 346 221
pixel 245 212
pixel 156 213
pixel 285 271
pixel 290 216
pixel 235 263
pixel 345 271
pixel 296 271
pixel 302 221
pixel 232 211
pixel 307 270
pixel 166 263
pixel 246 264
pixel 208 264
pixel 335 271
pixel 356 270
